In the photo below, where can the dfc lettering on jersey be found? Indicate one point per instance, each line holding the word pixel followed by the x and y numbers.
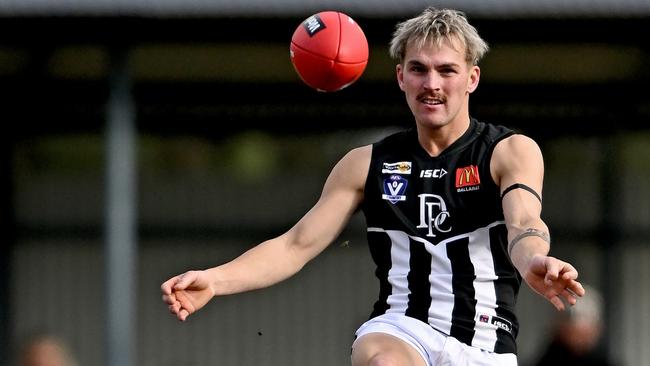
pixel 394 189
pixel 433 214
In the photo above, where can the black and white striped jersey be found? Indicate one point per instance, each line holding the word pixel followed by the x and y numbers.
pixel 437 235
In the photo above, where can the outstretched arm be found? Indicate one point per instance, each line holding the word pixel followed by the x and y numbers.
pixel 279 258
pixel 518 161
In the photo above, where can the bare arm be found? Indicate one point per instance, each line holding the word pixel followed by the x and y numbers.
pixel 517 159
pixel 279 258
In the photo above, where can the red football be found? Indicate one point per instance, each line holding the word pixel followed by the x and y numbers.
pixel 329 51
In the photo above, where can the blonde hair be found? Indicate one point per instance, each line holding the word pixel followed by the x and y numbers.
pixel 436 26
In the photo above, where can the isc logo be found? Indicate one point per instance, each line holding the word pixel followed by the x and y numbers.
pixel 433 173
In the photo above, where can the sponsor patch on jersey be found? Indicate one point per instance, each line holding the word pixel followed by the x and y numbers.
pixel 497 321
pixel 313 25
pixel 401 167
pixel 394 189
pixel 467 179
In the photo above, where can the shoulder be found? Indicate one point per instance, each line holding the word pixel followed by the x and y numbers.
pixel 358 156
pixel 516 154
pixel 517 144
pixel 492 133
pixel 396 139
pixel 353 167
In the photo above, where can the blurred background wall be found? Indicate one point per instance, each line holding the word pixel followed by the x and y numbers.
pixel 231 148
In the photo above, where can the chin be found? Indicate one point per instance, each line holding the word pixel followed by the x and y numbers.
pixel 433 122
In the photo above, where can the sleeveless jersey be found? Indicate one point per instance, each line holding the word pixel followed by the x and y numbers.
pixel 437 236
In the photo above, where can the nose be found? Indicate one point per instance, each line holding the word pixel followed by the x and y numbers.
pixel 431 81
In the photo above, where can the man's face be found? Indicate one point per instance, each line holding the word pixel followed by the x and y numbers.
pixel 437 82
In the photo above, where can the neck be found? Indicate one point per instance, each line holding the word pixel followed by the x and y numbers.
pixel 434 140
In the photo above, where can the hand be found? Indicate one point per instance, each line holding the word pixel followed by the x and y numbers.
pixel 554 279
pixel 187 293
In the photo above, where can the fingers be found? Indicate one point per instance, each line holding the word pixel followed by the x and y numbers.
pixel 180 313
pixel 179 282
pixel 559 270
pixel 568 272
pixel 177 309
pixel 569 297
pixel 564 296
pixel 177 303
pixel 549 279
pixel 562 285
pixel 169 299
pixel 173 306
pixel 552 271
pixel 168 296
pixel 183 314
pixel 576 287
pixel 168 285
pixel 557 302
pixel 184 280
pixel 560 297
pixel 184 308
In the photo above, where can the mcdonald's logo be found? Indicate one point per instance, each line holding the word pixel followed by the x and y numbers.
pixel 467 176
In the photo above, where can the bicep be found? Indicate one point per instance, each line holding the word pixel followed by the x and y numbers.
pixel 518 160
pixel 340 198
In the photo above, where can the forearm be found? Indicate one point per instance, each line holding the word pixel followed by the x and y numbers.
pixel 528 248
pixel 278 259
pixel 264 265
pixel 523 245
pixel 550 277
pixel 528 234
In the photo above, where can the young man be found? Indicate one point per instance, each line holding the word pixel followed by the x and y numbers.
pixel 453 212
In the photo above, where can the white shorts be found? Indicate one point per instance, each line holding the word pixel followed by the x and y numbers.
pixel 436 348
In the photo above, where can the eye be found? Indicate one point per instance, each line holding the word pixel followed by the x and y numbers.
pixel 417 68
pixel 448 71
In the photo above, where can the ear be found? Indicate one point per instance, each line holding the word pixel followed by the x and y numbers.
pixel 399 71
pixel 474 77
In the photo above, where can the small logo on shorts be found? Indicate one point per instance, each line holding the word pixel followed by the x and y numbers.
pixel 497 321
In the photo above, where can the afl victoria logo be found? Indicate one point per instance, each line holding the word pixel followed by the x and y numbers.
pixel 394 189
